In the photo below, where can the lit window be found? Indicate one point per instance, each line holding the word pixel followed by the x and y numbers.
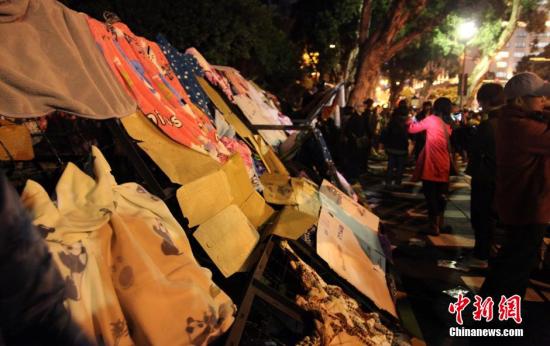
pixel 501 74
pixel 503 54
pixel 519 54
pixel 547 23
pixel 502 64
pixel 520 44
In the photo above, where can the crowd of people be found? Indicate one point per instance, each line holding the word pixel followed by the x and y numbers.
pixel 506 149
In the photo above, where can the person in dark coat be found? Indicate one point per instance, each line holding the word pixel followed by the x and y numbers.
pixel 357 137
pixel 522 139
pixel 396 143
pixel 482 169
pixel 32 290
pixel 371 119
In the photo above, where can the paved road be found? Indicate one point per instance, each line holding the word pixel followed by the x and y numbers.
pixel 423 304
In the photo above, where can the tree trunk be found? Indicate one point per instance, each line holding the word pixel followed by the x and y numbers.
pixel 367 76
pixel 350 65
pixel 481 68
pixel 378 46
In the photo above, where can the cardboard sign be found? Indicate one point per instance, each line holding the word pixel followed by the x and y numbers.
pixel 339 247
pixel 359 219
pixel 229 239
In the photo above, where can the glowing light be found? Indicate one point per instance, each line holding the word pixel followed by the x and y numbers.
pixel 466 30
pixel 332 46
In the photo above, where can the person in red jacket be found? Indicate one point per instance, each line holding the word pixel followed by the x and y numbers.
pixel 433 164
pixel 522 139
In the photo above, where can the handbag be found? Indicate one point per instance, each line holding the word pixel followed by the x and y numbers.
pixel 454 170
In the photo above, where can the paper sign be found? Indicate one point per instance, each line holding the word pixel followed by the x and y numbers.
pixel 330 193
pixel 204 197
pixel 339 247
pixel 228 238
pixel 362 222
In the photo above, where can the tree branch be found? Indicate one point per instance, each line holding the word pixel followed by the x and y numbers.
pixel 406 40
pixel 364 26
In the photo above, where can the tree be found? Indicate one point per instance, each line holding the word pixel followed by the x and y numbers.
pixel 386 28
pixel 420 60
pixel 328 27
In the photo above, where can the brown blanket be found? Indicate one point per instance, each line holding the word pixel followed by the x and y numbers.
pixel 49 61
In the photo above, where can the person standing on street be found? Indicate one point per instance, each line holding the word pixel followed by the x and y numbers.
pixel 396 143
pixel 357 140
pixel 482 169
pixel 522 139
pixel 371 119
pixel 433 164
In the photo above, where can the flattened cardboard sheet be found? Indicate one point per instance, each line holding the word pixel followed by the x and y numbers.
pixel 360 220
pixel 339 247
pixel 204 197
pixel 292 223
pixel 257 211
pixel 181 164
pixel 277 189
pixel 330 193
pixel 229 239
pixel 306 196
pixel 15 142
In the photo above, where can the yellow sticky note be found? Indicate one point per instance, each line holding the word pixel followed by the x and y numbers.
pixel 204 197
pixel 229 239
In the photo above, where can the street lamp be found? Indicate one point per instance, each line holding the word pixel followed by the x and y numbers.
pixel 466 30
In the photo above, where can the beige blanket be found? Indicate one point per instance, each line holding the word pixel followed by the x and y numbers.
pixel 130 274
pixel 49 61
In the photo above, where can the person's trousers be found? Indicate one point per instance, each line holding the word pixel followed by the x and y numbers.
pixel 396 166
pixel 483 217
pixel 435 197
pixel 509 272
